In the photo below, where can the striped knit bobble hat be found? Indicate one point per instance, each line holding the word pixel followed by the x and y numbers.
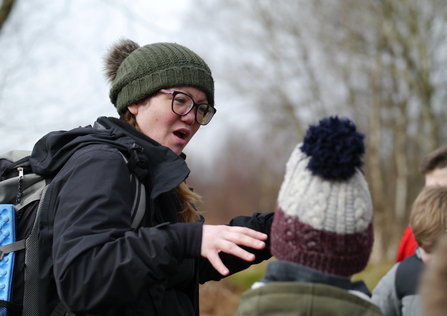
pixel 324 216
pixel 159 66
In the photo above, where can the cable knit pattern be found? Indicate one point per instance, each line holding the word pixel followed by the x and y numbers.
pixel 337 206
pixel 324 223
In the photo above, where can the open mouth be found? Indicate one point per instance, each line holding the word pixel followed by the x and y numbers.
pixel 180 134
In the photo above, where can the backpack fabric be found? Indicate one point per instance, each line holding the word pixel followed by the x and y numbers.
pixel 25 189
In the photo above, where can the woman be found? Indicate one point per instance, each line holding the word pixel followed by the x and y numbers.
pixel 163 92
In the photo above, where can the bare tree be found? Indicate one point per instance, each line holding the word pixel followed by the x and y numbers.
pixel 241 181
pixel 50 63
pixel 380 62
pixel 5 10
pixel 397 45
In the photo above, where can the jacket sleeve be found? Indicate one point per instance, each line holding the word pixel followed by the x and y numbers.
pixel 258 221
pixel 98 261
pixel 384 294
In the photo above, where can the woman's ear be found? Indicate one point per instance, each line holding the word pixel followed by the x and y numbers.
pixel 133 108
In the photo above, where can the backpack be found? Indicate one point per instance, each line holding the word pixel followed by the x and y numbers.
pixel 23 272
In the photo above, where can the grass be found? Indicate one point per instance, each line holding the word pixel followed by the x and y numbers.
pixel 244 279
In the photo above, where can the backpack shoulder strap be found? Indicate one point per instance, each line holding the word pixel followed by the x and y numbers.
pixel 406 281
pixel 139 203
pixel 31 286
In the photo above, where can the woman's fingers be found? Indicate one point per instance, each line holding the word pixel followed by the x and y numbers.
pixel 244 236
pixel 228 239
pixel 215 261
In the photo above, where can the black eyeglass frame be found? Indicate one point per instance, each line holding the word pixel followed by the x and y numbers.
pixel 210 108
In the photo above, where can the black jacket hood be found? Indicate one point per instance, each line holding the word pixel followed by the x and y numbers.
pixel 53 150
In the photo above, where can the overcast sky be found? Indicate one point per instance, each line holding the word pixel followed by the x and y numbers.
pixel 51 75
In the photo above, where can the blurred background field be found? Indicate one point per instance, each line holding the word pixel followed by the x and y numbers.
pixel 222 298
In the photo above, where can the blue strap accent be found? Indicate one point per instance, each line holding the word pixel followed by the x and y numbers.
pixel 7 238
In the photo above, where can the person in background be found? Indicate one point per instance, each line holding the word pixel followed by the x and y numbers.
pixel 397 293
pixel 163 93
pixel 434 169
pixel 322 232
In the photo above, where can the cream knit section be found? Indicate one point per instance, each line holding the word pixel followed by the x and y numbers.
pixel 342 207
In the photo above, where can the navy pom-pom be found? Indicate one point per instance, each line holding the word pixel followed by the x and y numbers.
pixel 335 148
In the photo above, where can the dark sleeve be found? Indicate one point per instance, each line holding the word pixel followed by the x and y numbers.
pixel 261 222
pixel 98 261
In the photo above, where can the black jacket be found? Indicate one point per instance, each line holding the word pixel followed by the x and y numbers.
pixel 103 267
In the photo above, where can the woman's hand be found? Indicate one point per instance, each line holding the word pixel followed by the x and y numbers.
pixel 217 238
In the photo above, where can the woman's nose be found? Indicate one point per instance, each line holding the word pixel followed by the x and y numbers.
pixel 190 117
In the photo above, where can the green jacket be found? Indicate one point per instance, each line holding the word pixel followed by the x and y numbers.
pixel 303 299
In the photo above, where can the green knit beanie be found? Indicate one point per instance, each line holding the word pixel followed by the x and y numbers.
pixel 159 66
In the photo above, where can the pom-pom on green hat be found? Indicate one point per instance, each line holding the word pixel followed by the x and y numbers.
pixel 159 66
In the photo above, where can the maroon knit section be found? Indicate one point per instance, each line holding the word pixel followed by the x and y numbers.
pixel 325 251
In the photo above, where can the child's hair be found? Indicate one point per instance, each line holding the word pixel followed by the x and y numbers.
pixel 428 216
pixel 434 160
pixel 434 280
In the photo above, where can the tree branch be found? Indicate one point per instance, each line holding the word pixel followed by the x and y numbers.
pixel 5 10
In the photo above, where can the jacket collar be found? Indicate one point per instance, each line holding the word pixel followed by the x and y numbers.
pixel 286 271
pixel 129 130
pixel 166 169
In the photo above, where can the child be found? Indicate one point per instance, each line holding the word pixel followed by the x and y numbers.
pixel 322 232
pixel 434 169
pixel 397 292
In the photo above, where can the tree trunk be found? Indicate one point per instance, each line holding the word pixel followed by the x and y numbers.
pixel 401 169
pixel 373 158
pixel 5 11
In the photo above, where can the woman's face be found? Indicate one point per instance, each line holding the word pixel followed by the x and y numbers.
pixel 156 119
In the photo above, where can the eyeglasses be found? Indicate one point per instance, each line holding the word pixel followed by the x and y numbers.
pixel 182 104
